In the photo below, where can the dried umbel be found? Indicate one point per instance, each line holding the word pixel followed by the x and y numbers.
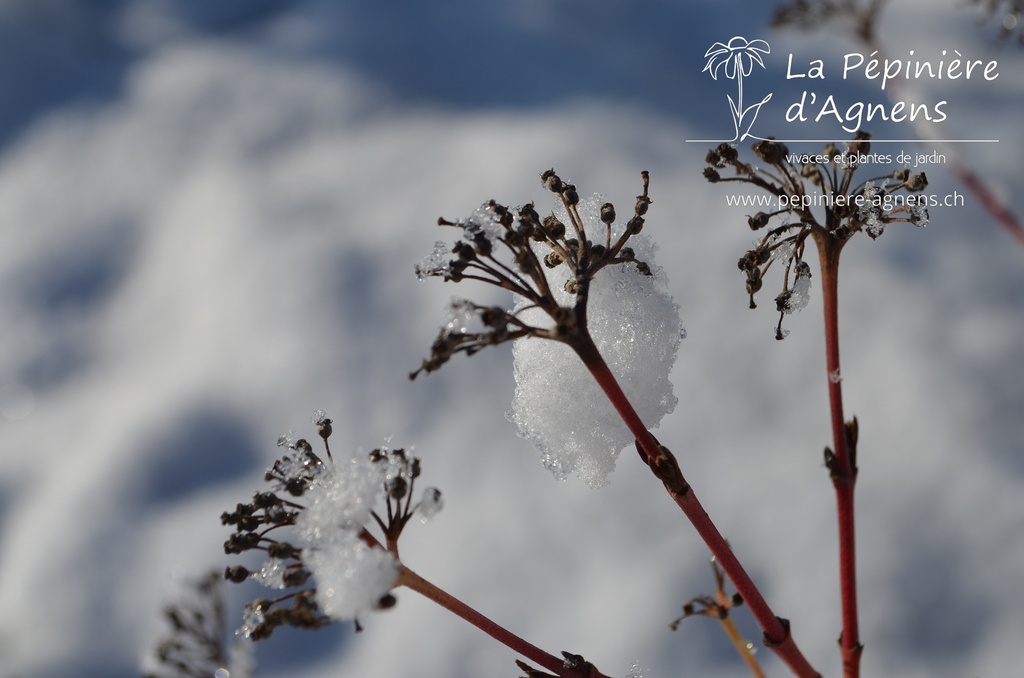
pixel 514 249
pixel 817 197
pixel 315 527
pixel 585 280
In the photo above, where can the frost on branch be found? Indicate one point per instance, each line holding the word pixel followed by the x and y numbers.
pixel 558 406
pixel 579 277
pixel 315 528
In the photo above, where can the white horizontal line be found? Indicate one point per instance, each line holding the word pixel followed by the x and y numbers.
pixel 870 141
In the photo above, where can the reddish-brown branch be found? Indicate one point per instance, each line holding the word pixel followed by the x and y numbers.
pixel 776 630
pixel 410 579
pixel 999 211
pixel 842 462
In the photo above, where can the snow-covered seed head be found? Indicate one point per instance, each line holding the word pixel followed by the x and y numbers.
pixel 315 525
pixel 533 252
pixel 821 202
pixel 581 278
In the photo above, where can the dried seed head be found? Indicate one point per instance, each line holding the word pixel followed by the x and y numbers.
pixel 608 213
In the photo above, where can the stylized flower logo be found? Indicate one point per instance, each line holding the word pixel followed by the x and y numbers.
pixel 736 59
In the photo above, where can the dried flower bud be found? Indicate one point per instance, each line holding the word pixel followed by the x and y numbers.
pixel 323 427
pixel 282 550
pixel 754 283
pixel 551 181
pixel 916 182
pixel 553 259
pixel 555 228
pixel 569 195
pixel 608 213
pixel 463 251
pixel 759 220
pixel 236 574
pixel 528 214
pixel 772 152
pixel 860 145
pixel 642 203
pixel 712 175
pixel 727 152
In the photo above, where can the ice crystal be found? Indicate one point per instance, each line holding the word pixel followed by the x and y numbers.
pixel 252 617
pixel 435 263
pixel 919 215
pixel 271 574
pixel 635 671
pixel 798 296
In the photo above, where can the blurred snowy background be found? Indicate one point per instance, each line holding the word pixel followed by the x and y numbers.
pixel 209 214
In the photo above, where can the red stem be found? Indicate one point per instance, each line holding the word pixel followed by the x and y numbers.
pixel 843 464
pixel 776 630
pixel 407 577
pixel 1000 212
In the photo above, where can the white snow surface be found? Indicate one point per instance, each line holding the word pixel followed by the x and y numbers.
pixel 209 215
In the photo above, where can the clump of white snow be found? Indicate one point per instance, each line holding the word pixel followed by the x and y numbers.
pixel 351 576
pixel 558 406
